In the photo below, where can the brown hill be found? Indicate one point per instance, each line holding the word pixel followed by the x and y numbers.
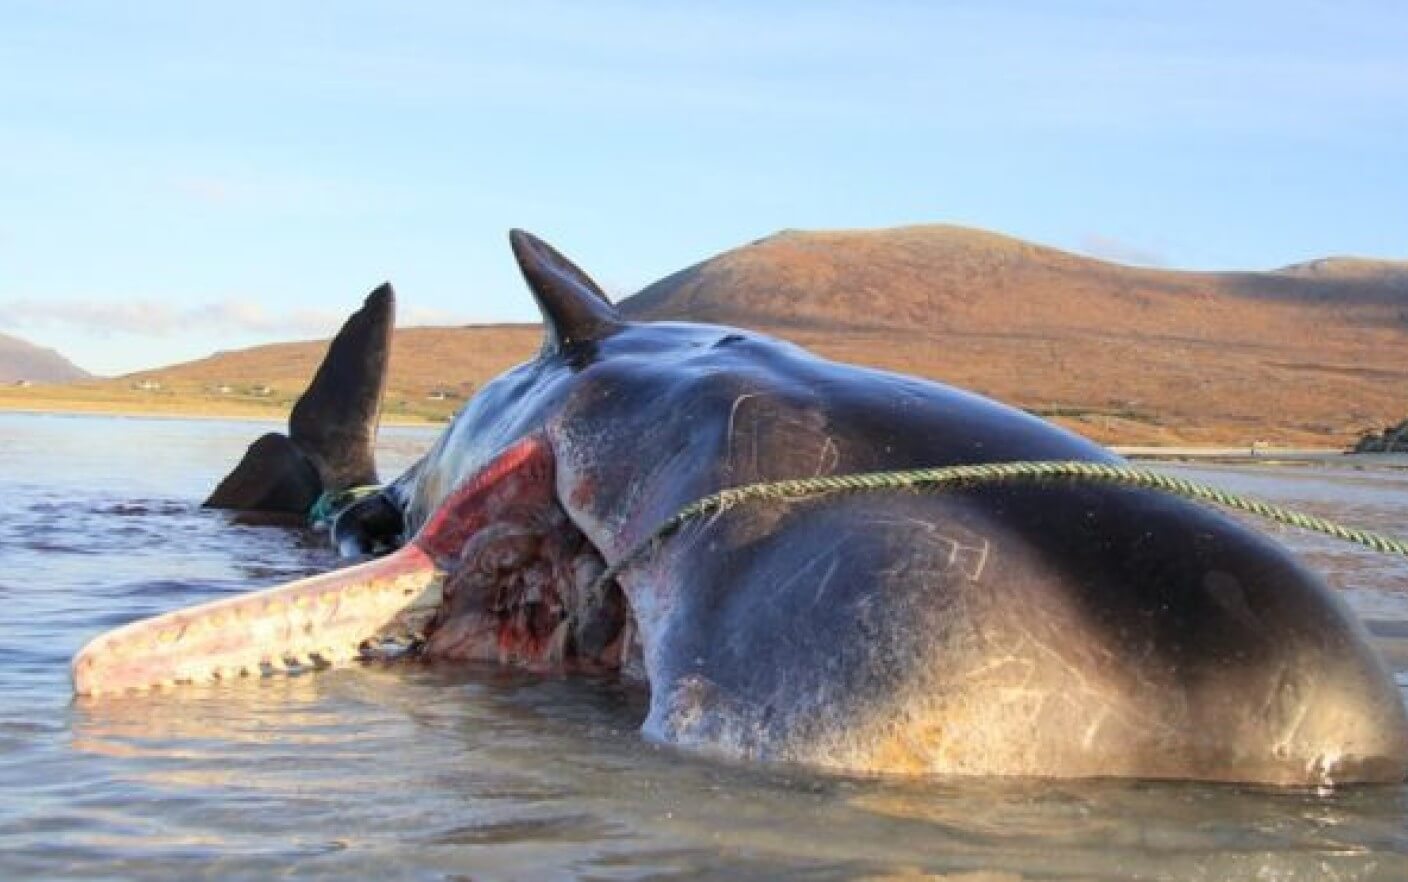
pixel 433 371
pixel 1311 354
pixel 1308 354
pixel 23 362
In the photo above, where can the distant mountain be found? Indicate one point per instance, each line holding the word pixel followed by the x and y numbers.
pixel 21 361
pixel 959 279
pixel 1309 354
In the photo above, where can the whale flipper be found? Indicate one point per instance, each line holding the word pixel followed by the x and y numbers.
pixel 331 439
pixel 273 476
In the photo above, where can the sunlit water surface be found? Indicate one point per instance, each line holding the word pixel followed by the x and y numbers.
pixel 401 772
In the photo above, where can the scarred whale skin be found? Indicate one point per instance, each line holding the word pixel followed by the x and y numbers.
pixel 1052 629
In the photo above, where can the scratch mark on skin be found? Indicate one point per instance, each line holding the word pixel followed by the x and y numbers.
pixel 776 595
pixel 733 413
pixel 1013 659
pixel 828 458
pixel 1304 695
pixel 1094 728
pixel 961 555
pixel 830 554
pixel 1125 712
pixel 826 579
pixel 978 556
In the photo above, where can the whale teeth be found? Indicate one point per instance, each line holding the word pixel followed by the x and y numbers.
pixel 301 626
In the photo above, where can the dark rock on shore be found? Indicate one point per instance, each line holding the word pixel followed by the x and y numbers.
pixel 1393 439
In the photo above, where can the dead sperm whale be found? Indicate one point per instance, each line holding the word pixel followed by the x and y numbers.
pixel 1045 629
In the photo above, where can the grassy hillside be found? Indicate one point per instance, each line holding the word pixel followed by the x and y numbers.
pixel 433 371
pixel 1306 355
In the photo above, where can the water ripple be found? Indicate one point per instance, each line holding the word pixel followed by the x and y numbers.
pixel 411 772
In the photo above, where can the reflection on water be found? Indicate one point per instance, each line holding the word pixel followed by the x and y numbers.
pixel 411 772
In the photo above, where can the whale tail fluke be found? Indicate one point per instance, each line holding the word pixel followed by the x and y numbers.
pixel 332 430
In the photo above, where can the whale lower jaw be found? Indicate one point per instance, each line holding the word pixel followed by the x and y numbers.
pixel 499 573
pixel 311 623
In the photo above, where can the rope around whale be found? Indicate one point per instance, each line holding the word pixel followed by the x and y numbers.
pixel 953 477
pixel 329 504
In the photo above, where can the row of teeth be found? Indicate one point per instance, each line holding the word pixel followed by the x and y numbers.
pixel 282 635
pixel 377 649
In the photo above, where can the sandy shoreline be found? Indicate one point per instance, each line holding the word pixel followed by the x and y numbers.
pixel 85 408
pixel 1225 451
pixel 1267 456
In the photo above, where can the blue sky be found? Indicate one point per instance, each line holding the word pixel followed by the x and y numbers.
pixel 183 177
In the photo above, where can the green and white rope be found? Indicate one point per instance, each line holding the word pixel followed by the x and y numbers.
pixel 329 505
pixel 954 477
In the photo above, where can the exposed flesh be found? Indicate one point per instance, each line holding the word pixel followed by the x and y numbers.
pixel 497 573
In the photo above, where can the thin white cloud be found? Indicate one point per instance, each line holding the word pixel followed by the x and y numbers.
pixel 149 318
pixel 1118 250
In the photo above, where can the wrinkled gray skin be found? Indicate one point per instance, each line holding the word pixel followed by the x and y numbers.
pixel 1055 629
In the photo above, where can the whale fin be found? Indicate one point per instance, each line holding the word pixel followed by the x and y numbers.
pixel 332 429
pixel 336 420
pixel 575 309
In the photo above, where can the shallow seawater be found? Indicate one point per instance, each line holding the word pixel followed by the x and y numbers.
pixel 405 772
